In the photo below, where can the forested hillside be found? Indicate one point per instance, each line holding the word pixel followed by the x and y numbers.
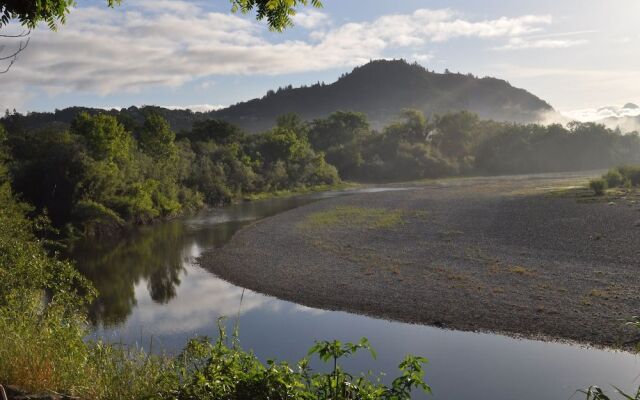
pixel 381 89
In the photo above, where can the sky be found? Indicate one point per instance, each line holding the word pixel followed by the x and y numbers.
pixel 579 55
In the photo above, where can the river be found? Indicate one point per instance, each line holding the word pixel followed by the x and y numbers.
pixel 154 294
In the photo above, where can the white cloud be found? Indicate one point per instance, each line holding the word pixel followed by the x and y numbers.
pixel 422 57
pixel 597 114
pixel 197 107
pixel 519 43
pixel 102 51
pixel 311 19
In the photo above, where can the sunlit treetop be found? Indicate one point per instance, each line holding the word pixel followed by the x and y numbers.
pixel 29 13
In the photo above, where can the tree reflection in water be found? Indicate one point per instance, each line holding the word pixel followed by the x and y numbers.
pixel 157 255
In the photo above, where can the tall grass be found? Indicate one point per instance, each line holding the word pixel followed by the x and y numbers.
pixel 53 358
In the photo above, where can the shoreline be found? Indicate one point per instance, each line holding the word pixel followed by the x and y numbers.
pixel 484 254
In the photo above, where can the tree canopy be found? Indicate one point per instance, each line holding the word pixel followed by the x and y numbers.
pixel 29 13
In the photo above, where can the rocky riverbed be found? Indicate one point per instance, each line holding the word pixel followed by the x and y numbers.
pixel 521 255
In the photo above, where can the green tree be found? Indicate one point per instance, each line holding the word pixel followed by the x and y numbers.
pixel 413 126
pixel 106 137
pixel 454 134
pixel 157 138
pixel 217 130
pixel 29 13
pixel 340 137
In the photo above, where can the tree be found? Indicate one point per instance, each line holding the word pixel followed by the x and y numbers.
pixel 220 131
pixel 454 133
pixel 29 13
pixel 157 138
pixel 105 136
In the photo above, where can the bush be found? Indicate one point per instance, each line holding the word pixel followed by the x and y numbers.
pixel 631 174
pixel 614 178
pixel 598 186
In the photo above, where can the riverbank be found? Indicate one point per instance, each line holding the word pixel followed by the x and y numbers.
pixel 502 254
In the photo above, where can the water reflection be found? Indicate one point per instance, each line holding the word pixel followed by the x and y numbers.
pixel 151 286
pixel 158 255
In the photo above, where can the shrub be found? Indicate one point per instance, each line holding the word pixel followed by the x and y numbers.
pixel 598 186
pixel 631 173
pixel 614 178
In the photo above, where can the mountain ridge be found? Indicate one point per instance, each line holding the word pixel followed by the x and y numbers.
pixel 382 88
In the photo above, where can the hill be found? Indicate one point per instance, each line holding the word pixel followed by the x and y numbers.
pixel 381 89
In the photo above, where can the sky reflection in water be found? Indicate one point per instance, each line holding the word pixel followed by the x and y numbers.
pixel 151 285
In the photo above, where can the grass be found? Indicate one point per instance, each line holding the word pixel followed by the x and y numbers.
pixel 520 270
pixel 300 191
pixel 57 361
pixel 583 194
pixel 362 217
pixel 618 184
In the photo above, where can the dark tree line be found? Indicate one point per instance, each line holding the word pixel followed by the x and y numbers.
pixel 461 143
pixel 100 172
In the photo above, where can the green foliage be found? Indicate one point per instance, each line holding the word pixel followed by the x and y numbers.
pixel 614 178
pixel 373 218
pixel 220 371
pixel 42 348
pixel 157 138
pixel 599 186
pixel 98 176
pixel 340 137
pixel 131 163
pixel 630 174
pixel 42 301
pixel 278 13
pixel 218 131
pixel 624 176
pixel 106 138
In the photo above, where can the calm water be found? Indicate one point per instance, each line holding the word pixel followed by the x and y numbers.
pixel 151 286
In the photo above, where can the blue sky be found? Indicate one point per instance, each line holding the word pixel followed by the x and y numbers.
pixel 576 54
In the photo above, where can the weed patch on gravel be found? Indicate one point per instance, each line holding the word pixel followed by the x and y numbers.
pixel 628 196
pixel 372 218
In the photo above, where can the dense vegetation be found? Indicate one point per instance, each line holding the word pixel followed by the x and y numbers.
pixel 42 317
pixel 383 88
pixel 93 173
pixel 463 144
pixel 102 172
pixel 380 89
pixel 626 176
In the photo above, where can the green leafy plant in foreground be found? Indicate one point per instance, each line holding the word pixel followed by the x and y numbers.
pixel 221 371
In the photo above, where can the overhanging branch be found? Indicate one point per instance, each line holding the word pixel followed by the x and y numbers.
pixel 14 56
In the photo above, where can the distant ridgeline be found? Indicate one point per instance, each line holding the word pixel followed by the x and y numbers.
pixel 380 89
